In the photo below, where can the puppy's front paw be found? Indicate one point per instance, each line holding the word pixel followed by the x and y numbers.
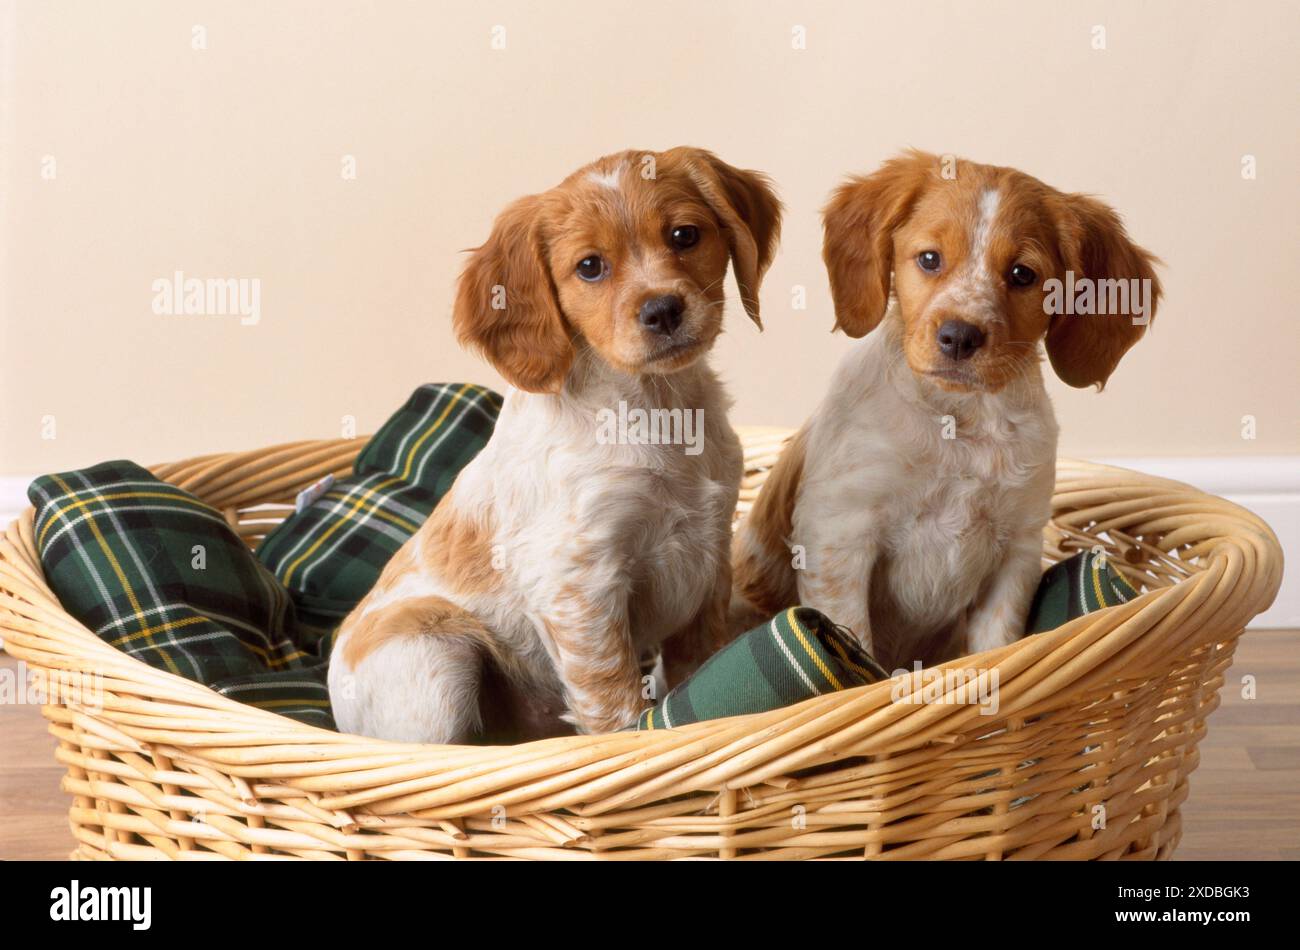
pixel 605 721
pixel 998 631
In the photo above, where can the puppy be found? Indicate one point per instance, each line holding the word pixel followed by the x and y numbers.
pixel 910 506
pixel 575 543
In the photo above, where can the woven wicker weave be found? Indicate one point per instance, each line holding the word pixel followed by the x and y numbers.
pixel 1099 719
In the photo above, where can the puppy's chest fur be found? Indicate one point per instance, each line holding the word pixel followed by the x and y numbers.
pixel 936 486
pixel 945 531
pixel 674 552
pixel 615 525
pixel 651 524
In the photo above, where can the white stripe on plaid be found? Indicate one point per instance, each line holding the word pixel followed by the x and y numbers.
pixel 86 559
pixel 275 596
pixel 448 428
pixel 45 510
pixel 338 507
pixel 170 641
pixel 100 586
pixel 471 402
pixel 366 483
pixel 125 539
pixel 161 610
pixel 794 664
pixel 72 522
pixel 277 684
pixel 1083 585
pixel 424 420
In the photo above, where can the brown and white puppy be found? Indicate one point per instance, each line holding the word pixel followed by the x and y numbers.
pixel 572 544
pixel 910 506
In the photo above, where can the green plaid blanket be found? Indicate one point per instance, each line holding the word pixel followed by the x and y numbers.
pixel 800 654
pixel 330 553
pixel 162 577
pixel 159 574
pixel 1074 587
pixel 796 655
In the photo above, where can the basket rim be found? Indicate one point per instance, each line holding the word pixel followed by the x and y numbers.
pixel 1237 577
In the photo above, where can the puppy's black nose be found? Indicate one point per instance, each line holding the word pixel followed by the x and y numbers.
pixel 959 339
pixel 662 314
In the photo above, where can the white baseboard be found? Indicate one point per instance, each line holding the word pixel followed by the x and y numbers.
pixel 1267 485
pixel 13 497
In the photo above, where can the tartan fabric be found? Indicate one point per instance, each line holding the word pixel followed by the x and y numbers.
pixel 119 548
pixel 800 653
pixel 301 694
pixel 796 655
pixel 161 576
pixel 1074 587
pixel 331 553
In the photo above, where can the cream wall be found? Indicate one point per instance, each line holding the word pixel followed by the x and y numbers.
pixel 226 162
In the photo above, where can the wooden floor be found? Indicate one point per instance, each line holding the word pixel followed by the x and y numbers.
pixel 1244 804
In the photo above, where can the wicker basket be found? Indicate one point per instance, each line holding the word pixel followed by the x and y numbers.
pixel 1100 718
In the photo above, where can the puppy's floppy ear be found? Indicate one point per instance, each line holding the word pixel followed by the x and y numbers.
pixel 506 304
pixel 750 213
pixel 1086 348
pixel 858 237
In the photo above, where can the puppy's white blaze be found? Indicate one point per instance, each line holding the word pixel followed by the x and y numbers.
pixel 609 179
pixel 973 287
pixel 983 228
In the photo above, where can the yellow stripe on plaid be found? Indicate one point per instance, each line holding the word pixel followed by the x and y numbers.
pixel 275 662
pixel 408 526
pixel 848 661
pixel 117 569
pixel 267 655
pixel 347 516
pixel 406 471
pixel 164 627
pixel 278 703
pixel 807 648
pixel 410 456
pixel 63 512
pixel 1097 563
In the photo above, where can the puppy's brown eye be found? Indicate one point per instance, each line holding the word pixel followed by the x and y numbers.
pixel 1022 276
pixel 591 269
pixel 929 260
pixel 686 237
